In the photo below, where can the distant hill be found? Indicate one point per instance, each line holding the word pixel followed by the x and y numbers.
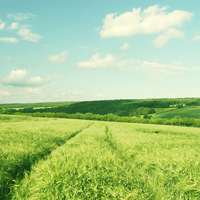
pixel 34 105
pixel 189 111
pixel 132 107
pixel 124 107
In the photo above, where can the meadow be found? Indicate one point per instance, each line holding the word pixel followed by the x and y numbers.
pixel 78 159
pixel 189 111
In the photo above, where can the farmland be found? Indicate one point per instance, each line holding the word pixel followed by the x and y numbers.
pixel 190 111
pixel 78 159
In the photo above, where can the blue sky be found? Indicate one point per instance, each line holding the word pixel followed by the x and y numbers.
pixel 79 50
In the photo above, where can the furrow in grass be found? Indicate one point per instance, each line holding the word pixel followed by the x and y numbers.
pixel 165 158
pixel 84 168
pixel 19 154
pixel 140 181
pixel 117 162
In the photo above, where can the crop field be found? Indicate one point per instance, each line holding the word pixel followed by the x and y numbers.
pixel 19 118
pixel 78 159
pixel 161 110
pixel 190 111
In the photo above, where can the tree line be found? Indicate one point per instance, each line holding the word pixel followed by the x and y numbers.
pixel 176 121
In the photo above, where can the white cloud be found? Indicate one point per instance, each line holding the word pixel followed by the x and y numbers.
pixel 8 59
pixel 19 78
pixel 28 94
pixel 13 26
pixel 97 62
pixel 124 47
pixel 15 77
pixel 28 35
pixel 158 70
pixel 2 25
pixel 155 70
pixel 4 93
pixel 60 58
pixel 152 20
pixel 9 39
pixel 20 16
pixel 161 40
pixel 197 38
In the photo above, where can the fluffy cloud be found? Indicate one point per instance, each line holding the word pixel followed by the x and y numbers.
pixel 26 94
pixel 158 70
pixel 97 62
pixel 124 47
pixel 197 38
pixel 19 78
pixel 152 20
pixel 8 59
pixel 2 25
pixel 60 58
pixel 161 40
pixel 153 69
pixel 28 35
pixel 24 31
pixel 13 26
pixel 9 39
pixel 20 16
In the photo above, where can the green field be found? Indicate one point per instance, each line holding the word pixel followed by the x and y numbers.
pixel 190 112
pixel 161 110
pixel 78 159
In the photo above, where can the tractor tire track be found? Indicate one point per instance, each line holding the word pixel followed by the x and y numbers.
pixel 28 161
pixel 129 162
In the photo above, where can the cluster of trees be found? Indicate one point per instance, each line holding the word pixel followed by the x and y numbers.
pixel 33 105
pixel 177 121
pixel 87 106
pixel 132 107
pixel 120 111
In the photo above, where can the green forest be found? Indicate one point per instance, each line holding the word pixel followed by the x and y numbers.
pixel 179 111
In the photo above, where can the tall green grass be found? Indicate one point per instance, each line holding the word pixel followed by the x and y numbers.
pixel 168 158
pixel 119 161
pixel 84 168
pixel 25 143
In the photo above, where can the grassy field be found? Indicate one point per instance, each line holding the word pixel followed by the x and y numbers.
pixel 24 143
pixel 77 159
pixel 161 110
pixel 20 118
pixel 190 111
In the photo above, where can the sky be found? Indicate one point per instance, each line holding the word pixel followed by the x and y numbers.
pixel 81 50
